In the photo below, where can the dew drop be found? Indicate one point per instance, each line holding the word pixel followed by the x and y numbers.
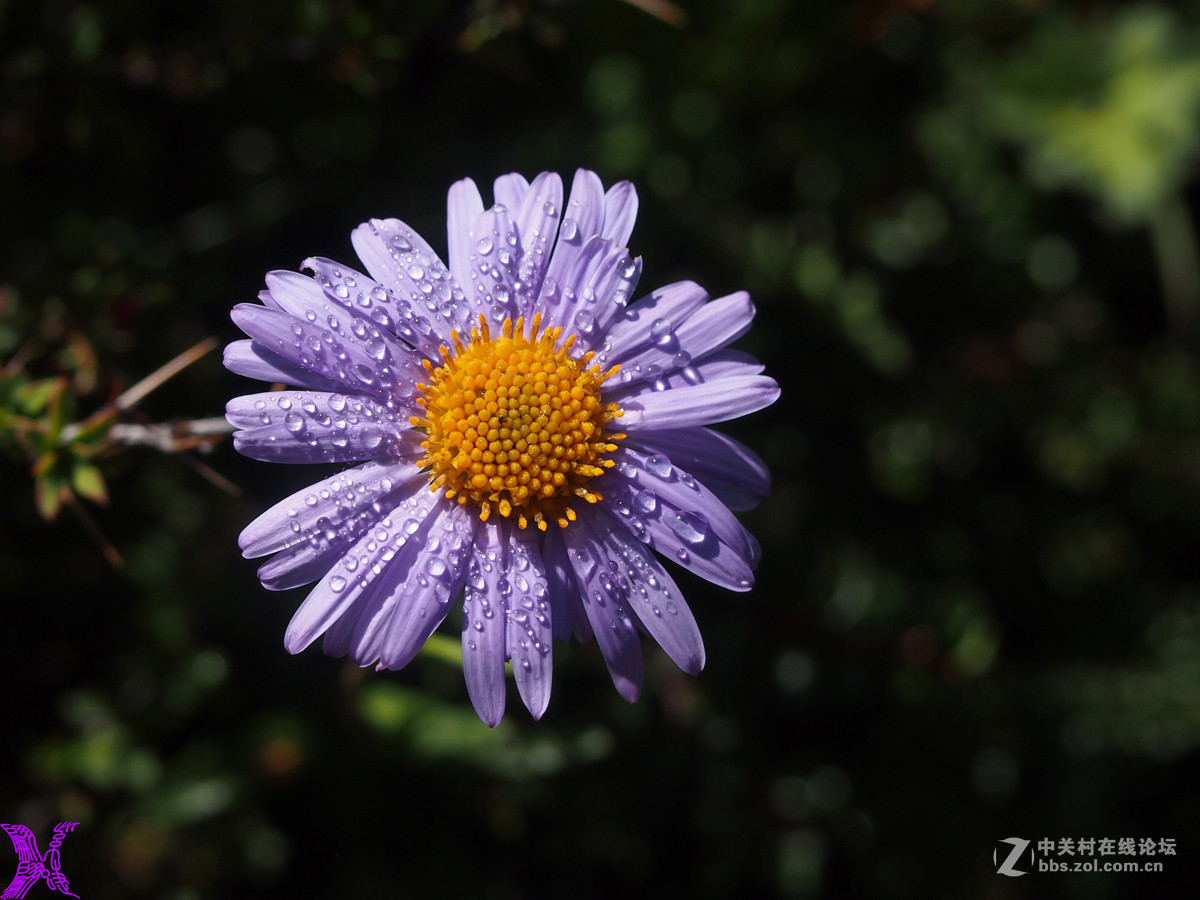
pixel 645 501
pixel 376 348
pixel 337 583
pixel 659 464
pixel 293 422
pixel 689 526
pixel 484 245
pixel 569 229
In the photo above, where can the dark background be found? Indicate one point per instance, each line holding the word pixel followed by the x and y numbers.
pixel 969 230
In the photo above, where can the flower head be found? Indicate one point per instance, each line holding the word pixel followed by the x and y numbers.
pixel 526 437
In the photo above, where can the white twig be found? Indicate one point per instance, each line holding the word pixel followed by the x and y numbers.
pixel 170 437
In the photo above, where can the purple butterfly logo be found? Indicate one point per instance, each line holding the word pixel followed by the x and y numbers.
pixel 32 866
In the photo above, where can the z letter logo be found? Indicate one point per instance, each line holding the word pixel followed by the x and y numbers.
pixel 32 866
pixel 1006 867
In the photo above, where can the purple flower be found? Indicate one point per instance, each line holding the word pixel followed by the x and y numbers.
pixel 525 437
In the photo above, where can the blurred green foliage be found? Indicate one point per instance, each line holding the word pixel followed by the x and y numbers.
pixel 969 228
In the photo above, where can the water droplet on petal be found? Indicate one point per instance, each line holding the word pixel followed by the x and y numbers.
pixel 569 229
pixel 484 245
pixel 293 422
pixel 689 526
pixel 659 464
pixel 645 501
pixel 337 583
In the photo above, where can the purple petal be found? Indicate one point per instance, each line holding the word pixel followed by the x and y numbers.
pixel 537 224
pixel 641 584
pixel 530 621
pixel 375 363
pixel 254 360
pixel 485 621
pixel 399 259
pixel 711 327
pixel 653 317
pixel 510 190
pixel 495 262
pixel 415 603
pixel 335 503
pixel 701 404
pixel 606 605
pixel 620 212
pixel 307 426
pixel 564 594
pixel 355 294
pixel 720 365
pixel 592 291
pixel 583 219
pixel 679 517
pixel 585 208
pixel 376 562
pixel 464 206
pixel 734 472
pixel 301 564
pixel 296 294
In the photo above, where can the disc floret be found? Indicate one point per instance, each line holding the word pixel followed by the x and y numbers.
pixel 515 425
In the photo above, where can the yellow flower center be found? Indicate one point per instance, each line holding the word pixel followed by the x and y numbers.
pixel 515 425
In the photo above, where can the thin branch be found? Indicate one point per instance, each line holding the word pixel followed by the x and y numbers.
pixel 133 396
pixel 661 9
pixel 93 530
pixel 171 437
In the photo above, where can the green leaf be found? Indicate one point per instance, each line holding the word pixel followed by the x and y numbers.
pixel 87 482
pixel 49 493
pixel 33 397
